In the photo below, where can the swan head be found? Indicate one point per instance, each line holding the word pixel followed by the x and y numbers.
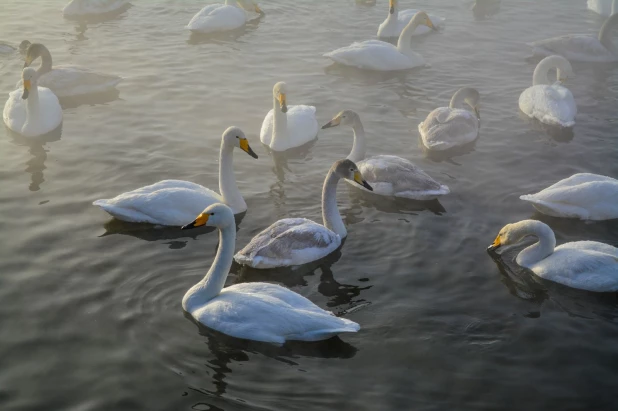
pixel 23 46
pixel 422 19
pixel 33 51
pixel 514 233
pixel 348 170
pixel 280 94
pixel 215 215
pixel 469 96
pixel 345 118
pixel 28 75
pixel 235 137
pixel 249 5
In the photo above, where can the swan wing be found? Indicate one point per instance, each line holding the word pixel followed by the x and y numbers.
pixel 14 113
pixel 374 55
pixel 266 133
pixel 574 47
pixel 549 104
pixel 602 7
pixel 91 7
pixel 302 127
pixel 446 128
pixel 217 17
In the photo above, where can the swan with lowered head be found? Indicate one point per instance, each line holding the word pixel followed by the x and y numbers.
pixel 253 311
pixel 287 127
pixel 397 20
pixel 297 241
pixel 389 176
pixel 80 8
pixel 582 47
pixel 603 7
pixel 33 110
pixel 382 56
pixel 449 127
pixel 551 104
pixel 174 202
pixel 67 81
pixel 587 265
pixel 583 195
pixel 222 17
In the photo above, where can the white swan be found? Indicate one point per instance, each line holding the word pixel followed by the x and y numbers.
pixel 603 7
pixel 582 47
pixel 551 104
pixel 297 241
pixel 253 311
pixel 286 127
pixel 67 81
pixel 587 265
pixel 77 8
pixel 397 20
pixel 389 176
pixel 448 127
pixel 382 56
pixel 33 111
pixel 222 17
pixel 583 195
pixel 174 202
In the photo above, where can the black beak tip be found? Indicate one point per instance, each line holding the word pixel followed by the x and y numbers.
pixel 325 126
pixel 284 109
pixel 25 95
pixel 492 249
pixel 367 186
pixel 252 154
pixel 188 226
pixel 392 10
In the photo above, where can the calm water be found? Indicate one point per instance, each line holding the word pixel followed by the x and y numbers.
pixel 91 315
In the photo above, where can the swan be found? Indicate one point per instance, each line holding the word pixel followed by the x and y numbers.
pixel 382 56
pixel 297 241
pixel 582 47
pixel 253 311
pixel 77 8
pixel 389 176
pixel 448 127
pixel 603 7
pixel 397 20
pixel 587 265
pixel 286 127
pixel 174 202
pixel 585 196
pixel 551 104
pixel 222 17
pixel 35 110
pixel 67 81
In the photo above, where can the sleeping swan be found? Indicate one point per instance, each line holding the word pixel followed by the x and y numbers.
pixel 397 20
pixel 80 8
pixel 551 104
pixel 222 17
pixel 587 265
pixel 297 241
pixel 389 176
pixel 174 202
pixel 253 311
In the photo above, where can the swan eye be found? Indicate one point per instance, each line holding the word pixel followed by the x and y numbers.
pixel 212 213
pixel 237 136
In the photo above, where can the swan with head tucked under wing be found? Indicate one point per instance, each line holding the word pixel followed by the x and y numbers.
pixel 449 127
pixel 287 127
pixel 86 8
pixel 297 241
pixel 397 20
pixel 603 7
pixel 582 47
pixel 174 202
pixel 382 56
pixel 389 176
pixel 551 104
pixel 222 17
pixel 253 311
pixel 586 265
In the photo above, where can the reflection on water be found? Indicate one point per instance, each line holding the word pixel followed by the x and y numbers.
pixel 392 205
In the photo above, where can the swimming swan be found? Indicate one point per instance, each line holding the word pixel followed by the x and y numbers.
pixel 174 202
pixel 587 265
pixel 77 8
pixel 583 195
pixel 67 81
pixel 33 110
pixel 382 56
pixel 397 20
pixel 603 7
pixel 389 176
pixel 222 17
pixel 297 241
pixel 551 104
pixel 582 47
pixel 286 127
pixel 448 127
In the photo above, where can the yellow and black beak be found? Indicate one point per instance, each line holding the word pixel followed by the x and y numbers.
pixel 27 85
pixel 258 10
pixel 333 123
pixel 391 5
pixel 496 244
pixel 244 146
pixel 201 220
pixel 477 111
pixel 283 103
pixel 430 24
pixel 358 178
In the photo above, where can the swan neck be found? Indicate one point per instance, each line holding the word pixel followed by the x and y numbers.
pixel 605 34
pixel 404 44
pixel 540 250
pixel 280 124
pixel 46 62
pixel 330 212
pixel 227 180
pixel 359 151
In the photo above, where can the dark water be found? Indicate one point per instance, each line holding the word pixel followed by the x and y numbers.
pixel 90 310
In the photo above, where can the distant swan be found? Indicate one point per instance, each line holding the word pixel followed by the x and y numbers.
pixel 397 20
pixel 603 7
pixel 449 127
pixel 297 241
pixel 253 311
pixel 389 176
pixel 551 104
pixel 586 265
pixel 77 8
pixel 174 202
pixel 222 17
pixel 583 195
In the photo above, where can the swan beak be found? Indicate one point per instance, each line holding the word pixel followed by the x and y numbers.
pixel 258 10
pixel 429 24
pixel 358 178
pixel 496 244
pixel 282 103
pixel 392 6
pixel 477 111
pixel 27 86
pixel 244 146
pixel 201 220
pixel 333 123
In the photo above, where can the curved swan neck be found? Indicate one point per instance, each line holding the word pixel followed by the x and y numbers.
pixel 539 250
pixel 404 44
pixel 330 212
pixel 606 30
pixel 46 61
pixel 542 69
pixel 280 123
pixel 227 180
pixel 359 151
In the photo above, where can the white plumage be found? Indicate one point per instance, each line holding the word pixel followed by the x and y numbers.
pixel 394 24
pixel 77 8
pixel 220 17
